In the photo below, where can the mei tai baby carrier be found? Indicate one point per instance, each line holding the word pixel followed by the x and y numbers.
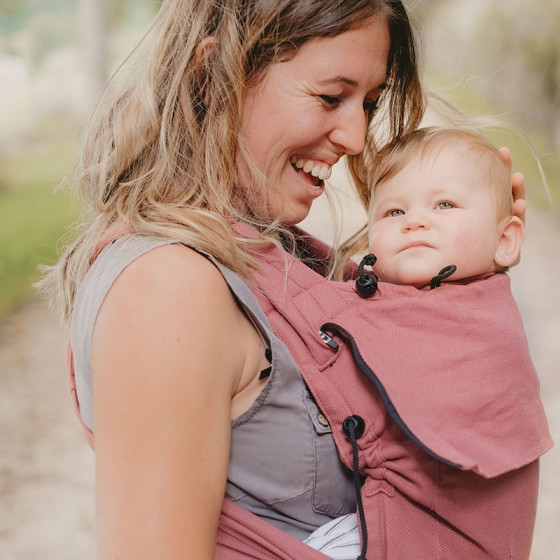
pixel 433 403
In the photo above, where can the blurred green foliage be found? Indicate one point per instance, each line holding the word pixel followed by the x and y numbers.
pixel 16 14
pixel 32 218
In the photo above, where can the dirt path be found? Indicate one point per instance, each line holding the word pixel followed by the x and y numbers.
pixel 46 468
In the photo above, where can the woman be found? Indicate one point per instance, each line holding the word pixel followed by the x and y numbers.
pixel 237 114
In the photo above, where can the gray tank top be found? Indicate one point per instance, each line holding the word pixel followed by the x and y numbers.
pixel 284 466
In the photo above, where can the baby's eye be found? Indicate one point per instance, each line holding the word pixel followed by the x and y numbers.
pixel 330 100
pixel 445 205
pixel 394 213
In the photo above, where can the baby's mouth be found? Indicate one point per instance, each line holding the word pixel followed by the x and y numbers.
pixel 316 172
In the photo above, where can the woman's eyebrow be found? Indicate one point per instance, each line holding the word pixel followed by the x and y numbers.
pixel 336 79
pixel 348 81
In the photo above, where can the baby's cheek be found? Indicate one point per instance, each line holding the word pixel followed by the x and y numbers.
pixel 374 236
pixel 378 244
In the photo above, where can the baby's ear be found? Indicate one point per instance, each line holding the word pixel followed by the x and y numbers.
pixel 509 244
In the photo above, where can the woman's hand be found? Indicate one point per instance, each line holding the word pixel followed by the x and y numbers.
pixel 517 187
pixel 518 190
pixel 519 202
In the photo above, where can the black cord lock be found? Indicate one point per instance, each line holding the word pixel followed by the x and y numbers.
pixel 366 284
pixel 354 426
pixel 444 273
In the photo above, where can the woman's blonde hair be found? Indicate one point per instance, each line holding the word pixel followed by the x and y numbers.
pixel 160 158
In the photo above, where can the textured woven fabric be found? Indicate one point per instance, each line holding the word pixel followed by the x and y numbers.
pixel 454 424
pixel 453 428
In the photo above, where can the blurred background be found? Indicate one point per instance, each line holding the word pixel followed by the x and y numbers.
pixel 500 57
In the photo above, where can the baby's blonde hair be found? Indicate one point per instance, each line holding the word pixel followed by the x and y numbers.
pixel 481 153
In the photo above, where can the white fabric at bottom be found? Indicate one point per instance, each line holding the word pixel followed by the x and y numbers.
pixel 339 538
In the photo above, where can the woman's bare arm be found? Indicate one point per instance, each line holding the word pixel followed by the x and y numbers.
pixel 167 358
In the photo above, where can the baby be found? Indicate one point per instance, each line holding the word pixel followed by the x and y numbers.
pixel 441 210
pixel 440 394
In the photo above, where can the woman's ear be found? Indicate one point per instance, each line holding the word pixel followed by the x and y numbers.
pixel 204 48
pixel 202 54
pixel 509 244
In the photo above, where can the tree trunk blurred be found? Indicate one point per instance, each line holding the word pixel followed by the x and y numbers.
pixel 94 27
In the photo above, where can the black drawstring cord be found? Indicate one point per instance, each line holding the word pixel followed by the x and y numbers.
pixel 366 284
pixel 443 274
pixel 353 427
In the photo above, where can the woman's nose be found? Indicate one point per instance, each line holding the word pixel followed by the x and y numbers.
pixel 349 131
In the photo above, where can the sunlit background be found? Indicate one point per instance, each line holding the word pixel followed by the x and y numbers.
pixel 500 58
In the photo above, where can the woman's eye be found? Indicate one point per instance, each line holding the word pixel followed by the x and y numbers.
pixel 330 99
pixel 394 213
pixel 445 205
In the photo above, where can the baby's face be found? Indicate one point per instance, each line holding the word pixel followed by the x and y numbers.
pixel 436 212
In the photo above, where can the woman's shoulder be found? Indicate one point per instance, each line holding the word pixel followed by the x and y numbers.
pixel 154 262
pixel 172 307
pixel 171 276
pixel 172 264
pixel 161 297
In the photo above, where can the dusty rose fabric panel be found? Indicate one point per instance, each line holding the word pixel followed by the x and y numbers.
pixel 455 366
pixel 453 361
pixel 242 535
pixel 416 506
pixel 471 517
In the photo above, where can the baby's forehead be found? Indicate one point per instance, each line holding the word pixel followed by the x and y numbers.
pixel 453 158
pixel 443 148
pixel 479 157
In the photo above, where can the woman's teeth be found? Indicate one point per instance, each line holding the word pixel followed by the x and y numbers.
pixel 322 172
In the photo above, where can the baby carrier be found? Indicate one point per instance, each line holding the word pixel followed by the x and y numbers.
pixel 434 405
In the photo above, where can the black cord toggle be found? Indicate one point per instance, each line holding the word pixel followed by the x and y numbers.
pixel 366 284
pixel 353 428
pixel 354 425
pixel 443 274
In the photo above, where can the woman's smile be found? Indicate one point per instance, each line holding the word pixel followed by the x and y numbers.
pixel 320 171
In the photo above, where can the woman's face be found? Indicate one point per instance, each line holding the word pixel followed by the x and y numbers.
pixel 309 111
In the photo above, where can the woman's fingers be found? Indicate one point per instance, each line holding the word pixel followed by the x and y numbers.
pixel 518 189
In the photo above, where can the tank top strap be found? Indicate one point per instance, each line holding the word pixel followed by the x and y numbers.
pixel 244 296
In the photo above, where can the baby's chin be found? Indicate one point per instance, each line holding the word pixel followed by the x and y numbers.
pixel 416 280
pixel 413 279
